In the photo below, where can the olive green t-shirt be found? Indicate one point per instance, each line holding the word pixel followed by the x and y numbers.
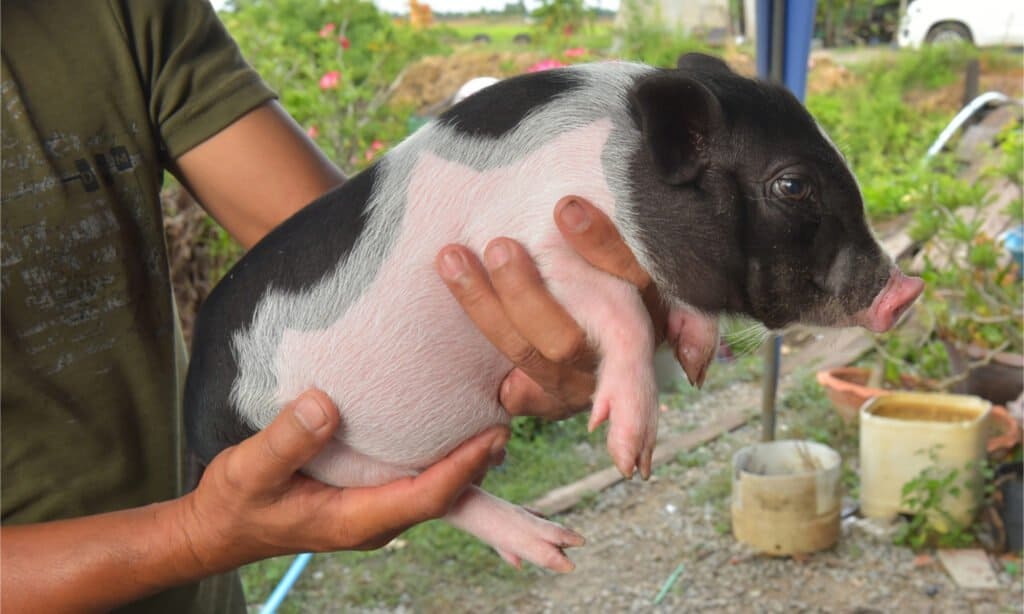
pixel 98 96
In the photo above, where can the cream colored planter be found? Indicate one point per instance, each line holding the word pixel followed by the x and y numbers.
pixel 898 430
pixel 786 497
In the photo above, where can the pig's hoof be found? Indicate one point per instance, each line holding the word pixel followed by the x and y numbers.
pixel 631 439
pixel 540 542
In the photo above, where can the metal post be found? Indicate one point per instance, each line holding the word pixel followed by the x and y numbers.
pixel 784 31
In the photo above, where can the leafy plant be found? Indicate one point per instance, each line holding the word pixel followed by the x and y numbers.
pixel 928 495
pixel 973 295
pixel 333 63
pixel 883 137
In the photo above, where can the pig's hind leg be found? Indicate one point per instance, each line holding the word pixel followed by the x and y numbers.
pixel 614 317
pixel 515 533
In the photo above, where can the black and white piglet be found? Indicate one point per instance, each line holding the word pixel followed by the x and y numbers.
pixel 725 188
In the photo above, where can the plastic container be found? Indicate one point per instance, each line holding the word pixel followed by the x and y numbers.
pixel 900 432
pixel 786 497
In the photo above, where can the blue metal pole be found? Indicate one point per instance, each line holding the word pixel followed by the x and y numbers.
pixel 799 31
pixel 784 30
pixel 286 583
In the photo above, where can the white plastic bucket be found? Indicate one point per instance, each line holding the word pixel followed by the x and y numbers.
pixel 786 496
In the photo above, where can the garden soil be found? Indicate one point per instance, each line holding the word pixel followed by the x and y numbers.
pixel 639 534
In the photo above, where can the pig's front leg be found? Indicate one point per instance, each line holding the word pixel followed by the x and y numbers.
pixel 513 531
pixel 614 317
pixel 694 338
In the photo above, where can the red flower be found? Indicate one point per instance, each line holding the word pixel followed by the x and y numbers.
pixel 327 30
pixel 343 40
pixel 313 132
pixel 330 80
pixel 575 52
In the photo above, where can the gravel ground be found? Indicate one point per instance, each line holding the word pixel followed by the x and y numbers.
pixel 640 533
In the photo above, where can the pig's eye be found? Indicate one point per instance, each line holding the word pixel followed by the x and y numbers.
pixel 792 188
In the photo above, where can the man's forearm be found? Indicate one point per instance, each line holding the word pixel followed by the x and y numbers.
pixel 95 563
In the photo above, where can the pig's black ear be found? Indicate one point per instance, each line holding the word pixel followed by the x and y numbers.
pixel 702 62
pixel 677 117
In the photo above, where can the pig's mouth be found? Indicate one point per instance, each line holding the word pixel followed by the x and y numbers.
pixel 892 301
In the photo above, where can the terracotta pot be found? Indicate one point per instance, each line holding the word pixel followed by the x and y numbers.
pixel 1007 432
pixel 848 390
pixel 1000 381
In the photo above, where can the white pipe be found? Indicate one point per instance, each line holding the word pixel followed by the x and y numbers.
pixel 965 113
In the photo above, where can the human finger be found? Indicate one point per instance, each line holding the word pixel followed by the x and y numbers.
pixel 272 456
pixel 541 320
pixel 393 507
pixel 521 395
pixel 470 284
pixel 593 235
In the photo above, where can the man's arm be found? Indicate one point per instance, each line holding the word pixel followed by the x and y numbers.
pixel 251 504
pixel 257 172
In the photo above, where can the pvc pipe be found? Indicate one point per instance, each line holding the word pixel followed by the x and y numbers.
pixel 286 583
pixel 965 113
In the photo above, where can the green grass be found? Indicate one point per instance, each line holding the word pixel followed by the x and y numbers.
pixel 502 31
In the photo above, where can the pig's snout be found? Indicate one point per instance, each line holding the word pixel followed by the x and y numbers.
pixel 895 298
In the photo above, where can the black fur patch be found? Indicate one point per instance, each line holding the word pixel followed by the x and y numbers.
pixel 283 260
pixel 497 109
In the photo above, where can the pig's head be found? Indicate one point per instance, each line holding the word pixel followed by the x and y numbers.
pixel 745 206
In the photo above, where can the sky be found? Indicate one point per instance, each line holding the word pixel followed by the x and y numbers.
pixel 463 6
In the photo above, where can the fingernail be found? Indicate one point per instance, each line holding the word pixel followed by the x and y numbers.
pixel 496 255
pixel 311 414
pixel 453 265
pixel 575 217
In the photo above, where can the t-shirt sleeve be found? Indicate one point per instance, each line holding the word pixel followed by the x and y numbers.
pixel 197 80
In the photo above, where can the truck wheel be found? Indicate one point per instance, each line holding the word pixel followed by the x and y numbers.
pixel 949 33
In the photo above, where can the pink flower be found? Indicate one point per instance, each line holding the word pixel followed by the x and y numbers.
pixel 544 65
pixel 330 80
pixel 375 146
pixel 345 43
pixel 313 132
pixel 327 30
pixel 575 52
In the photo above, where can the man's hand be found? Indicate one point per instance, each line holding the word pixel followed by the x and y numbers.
pixel 252 503
pixel 507 299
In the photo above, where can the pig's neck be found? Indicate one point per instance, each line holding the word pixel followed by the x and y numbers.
pixel 515 199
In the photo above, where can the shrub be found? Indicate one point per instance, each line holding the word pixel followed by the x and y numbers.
pixel 332 63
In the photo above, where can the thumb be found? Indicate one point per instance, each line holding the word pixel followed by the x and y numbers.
pixel 299 432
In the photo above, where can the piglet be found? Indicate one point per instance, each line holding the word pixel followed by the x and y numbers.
pixel 728 192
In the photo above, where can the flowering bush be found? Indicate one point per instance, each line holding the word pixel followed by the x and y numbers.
pixel 332 63
pixel 545 65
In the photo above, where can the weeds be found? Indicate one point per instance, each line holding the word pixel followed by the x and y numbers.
pixel 928 495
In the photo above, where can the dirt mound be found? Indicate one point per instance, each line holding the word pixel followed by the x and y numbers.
pixel 949 99
pixel 428 83
pixel 825 75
